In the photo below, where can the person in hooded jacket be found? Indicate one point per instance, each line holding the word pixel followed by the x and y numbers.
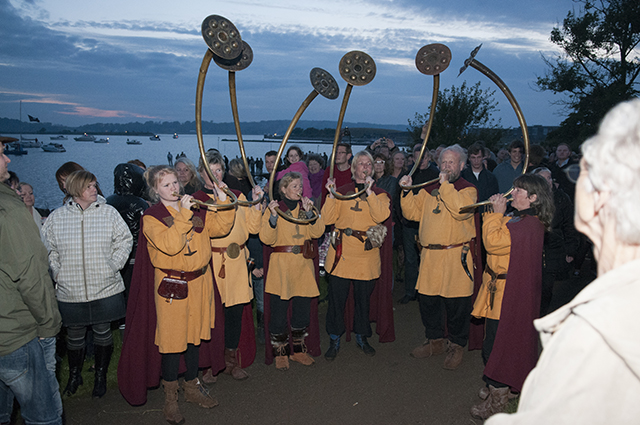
pixel 128 189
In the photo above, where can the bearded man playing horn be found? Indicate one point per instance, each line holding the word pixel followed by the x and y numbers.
pixel 445 239
pixel 354 256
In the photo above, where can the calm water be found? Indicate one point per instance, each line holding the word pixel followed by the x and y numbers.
pixel 38 167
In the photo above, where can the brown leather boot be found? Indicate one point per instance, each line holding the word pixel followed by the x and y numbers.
pixel 208 377
pixel 280 344
pixel 454 356
pixel 171 410
pixel 300 354
pixel 194 392
pixel 431 347
pixel 494 403
pixel 231 359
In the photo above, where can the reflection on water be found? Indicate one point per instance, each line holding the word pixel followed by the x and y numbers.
pixel 38 167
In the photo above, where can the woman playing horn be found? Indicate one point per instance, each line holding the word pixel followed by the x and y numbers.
pixel 291 273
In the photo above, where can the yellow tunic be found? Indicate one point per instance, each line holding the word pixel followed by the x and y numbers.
pixel 189 320
pixel 290 275
pixel 235 287
pixel 356 263
pixel 441 272
pixel 497 241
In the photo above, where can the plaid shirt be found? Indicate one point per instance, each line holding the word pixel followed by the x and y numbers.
pixel 87 249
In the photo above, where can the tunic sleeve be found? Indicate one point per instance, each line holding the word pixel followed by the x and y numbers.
pixel 317 228
pixel 330 211
pixel 412 204
pixel 379 207
pixel 253 218
pixel 168 240
pixel 455 199
pixel 219 223
pixel 495 234
pixel 267 233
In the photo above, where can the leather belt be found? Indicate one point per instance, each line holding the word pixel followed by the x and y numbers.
pixel 360 235
pixel 436 246
pixel 223 249
pixel 294 249
pixel 493 274
pixel 492 286
pixel 188 276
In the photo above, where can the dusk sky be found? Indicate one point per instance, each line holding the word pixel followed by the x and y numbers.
pixel 75 62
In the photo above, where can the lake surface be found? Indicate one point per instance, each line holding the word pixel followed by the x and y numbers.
pixel 38 167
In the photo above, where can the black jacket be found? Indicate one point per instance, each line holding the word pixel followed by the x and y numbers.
pixel 128 188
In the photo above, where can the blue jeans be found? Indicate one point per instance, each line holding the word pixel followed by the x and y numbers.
pixel 258 292
pixel 29 374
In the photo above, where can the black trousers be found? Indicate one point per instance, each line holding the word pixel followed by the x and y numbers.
pixel 233 325
pixel 300 313
pixel 170 363
pixel 490 330
pixel 338 294
pixel 434 310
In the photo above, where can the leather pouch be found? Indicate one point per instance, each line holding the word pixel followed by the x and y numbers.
pixel 308 250
pixel 172 288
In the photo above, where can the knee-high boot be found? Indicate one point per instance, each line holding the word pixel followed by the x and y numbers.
pixel 76 360
pixel 103 358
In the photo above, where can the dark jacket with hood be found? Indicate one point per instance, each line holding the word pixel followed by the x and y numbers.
pixel 128 189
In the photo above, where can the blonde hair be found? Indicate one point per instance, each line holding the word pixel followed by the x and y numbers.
pixel 357 157
pixel 77 182
pixel 287 179
pixel 153 176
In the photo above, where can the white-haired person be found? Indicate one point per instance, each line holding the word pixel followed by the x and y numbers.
pixel 589 369
pixel 354 257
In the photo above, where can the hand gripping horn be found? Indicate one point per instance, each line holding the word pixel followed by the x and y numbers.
pixel 431 59
pixel 238 64
pixel 472 62
pixel 358 69
pixel 323 83
pixel 224 41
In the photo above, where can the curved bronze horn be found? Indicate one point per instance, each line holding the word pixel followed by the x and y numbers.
pixel 223 38
pixel 323 83
pixel 238 64
pixel 514 104
pixel 431 59
pixel 358 69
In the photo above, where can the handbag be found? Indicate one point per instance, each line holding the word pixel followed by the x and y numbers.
pixel 308 250
pixel 172 288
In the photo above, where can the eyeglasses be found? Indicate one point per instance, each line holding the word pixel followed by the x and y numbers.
pixel 380 161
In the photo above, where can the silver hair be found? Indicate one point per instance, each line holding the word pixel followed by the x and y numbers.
pixel 457 149
pixel 613 160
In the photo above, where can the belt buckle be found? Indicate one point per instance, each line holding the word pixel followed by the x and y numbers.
pixel 296 249
pixel 233 250
pixel 348 231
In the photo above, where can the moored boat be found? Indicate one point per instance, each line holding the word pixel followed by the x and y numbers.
pixel 30 144
pixel 85 138
pixel 61 137
pixel 154 137
pixel 101 140
pixel 133 142
pixel 15 149
pixel 53 147
pixel 175 135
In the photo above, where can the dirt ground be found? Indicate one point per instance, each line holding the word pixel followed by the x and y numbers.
pixel 389 388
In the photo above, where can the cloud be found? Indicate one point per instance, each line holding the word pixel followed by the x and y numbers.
pixel 101 113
